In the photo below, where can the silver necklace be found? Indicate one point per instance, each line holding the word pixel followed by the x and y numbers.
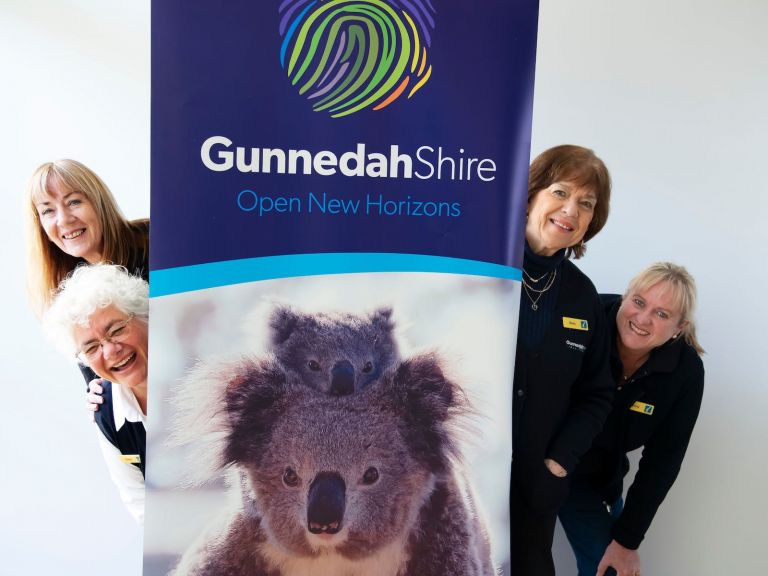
pixel 535 280
pixel 528 289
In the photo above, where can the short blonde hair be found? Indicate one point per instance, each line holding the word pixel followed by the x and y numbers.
pixel 124 242
pixel 683 288
pixel 87 290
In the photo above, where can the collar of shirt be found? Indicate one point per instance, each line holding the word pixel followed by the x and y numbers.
pixel 125 407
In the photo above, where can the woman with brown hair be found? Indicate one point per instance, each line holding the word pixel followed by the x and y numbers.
pixel 562 388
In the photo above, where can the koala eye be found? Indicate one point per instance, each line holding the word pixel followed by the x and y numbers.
pixel 371 476
pixel 290 478
pixel 368 367
pixel 313 365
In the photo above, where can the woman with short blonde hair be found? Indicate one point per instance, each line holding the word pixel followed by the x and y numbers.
pixel 659 383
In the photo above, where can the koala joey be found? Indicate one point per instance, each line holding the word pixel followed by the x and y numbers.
pixel 337 354
pixel 355 485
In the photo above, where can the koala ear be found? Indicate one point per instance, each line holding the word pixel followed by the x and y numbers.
pixel 282 323
pixel 252 403
pixel 213 404
pixel 429 402
pixel 382 318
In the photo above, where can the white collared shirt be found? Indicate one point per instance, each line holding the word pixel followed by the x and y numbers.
pixel 125 406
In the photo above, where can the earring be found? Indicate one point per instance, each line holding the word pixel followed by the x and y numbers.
pixel 675 336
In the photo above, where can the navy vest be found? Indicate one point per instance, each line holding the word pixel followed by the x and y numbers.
pixel 131 439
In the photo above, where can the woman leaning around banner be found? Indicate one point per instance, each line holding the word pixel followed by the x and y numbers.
pixel 659 378
pixel 562 387
pixel 73 220
pixel 100 316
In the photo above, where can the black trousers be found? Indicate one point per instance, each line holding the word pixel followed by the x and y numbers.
pixel 533 526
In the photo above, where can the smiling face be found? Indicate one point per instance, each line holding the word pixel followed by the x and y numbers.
pixel 70 221
pixel 123 359
pixel 558 217
pixel 648 318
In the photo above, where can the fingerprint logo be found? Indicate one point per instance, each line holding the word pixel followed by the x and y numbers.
pixel 350 55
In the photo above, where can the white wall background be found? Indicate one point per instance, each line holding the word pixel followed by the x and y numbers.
pixel 671 94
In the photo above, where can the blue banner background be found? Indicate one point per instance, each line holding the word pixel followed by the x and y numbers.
pixel 216 71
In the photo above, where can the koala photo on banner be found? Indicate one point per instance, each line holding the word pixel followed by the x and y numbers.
pixel 348 413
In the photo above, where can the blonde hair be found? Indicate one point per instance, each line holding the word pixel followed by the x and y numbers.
pixel 683 288
pixel 124 242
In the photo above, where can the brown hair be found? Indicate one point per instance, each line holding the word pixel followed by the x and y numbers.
pixel 580 166
pixel 683 288
pixel 125 242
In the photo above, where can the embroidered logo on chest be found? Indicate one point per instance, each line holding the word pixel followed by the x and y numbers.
pixel 576 346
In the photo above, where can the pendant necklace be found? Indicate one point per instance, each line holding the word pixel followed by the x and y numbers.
pixel 539 293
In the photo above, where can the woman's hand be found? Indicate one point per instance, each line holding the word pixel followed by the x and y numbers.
pixel 93 397
pixel 555 468
pixel 626 562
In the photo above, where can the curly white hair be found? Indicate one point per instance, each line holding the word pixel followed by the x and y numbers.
pixel 88 289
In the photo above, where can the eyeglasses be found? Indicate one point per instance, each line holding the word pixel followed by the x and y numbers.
pixel 116 333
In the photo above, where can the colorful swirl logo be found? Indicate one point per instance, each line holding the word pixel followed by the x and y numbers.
pixel 350 55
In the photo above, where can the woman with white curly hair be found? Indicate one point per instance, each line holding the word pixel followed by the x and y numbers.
pixel 100 316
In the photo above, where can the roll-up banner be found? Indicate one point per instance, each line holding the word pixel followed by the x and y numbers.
pixel 338 202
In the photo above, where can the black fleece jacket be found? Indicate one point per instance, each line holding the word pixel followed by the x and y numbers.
pixel 562 389
pixel 668 390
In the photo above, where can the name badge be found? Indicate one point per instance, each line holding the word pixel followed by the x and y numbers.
pixel 575 324
pixel 642 408
pixel 130 458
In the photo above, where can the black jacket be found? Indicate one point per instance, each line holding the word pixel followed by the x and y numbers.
pixel 562 391
pixel 668 389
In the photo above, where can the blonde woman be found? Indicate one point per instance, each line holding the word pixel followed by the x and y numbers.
pixel 659 383
pixel 72 219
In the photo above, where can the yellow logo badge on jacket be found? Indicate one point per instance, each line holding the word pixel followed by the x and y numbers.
pixel 575 323
pixel 130 458
pixel 642 408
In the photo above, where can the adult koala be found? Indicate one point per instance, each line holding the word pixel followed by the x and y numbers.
pixel 354 485
pixel 338 354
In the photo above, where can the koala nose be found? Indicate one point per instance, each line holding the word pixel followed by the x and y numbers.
pixel 342 378
pixel 326 503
